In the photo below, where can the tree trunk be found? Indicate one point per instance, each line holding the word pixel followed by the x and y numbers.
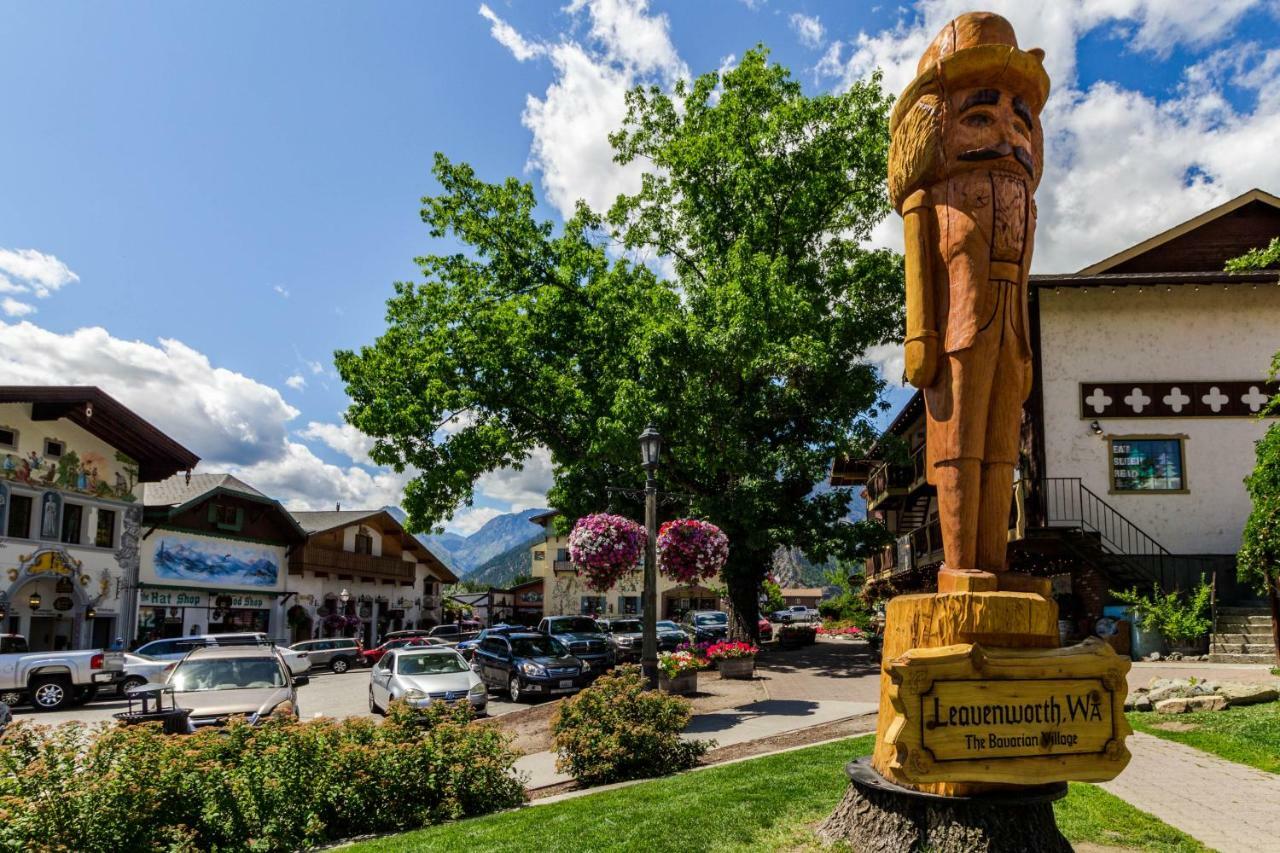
pixel 1273 595
pixel 743 587
pixel 879 821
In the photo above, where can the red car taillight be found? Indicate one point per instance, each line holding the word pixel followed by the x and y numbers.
pixel 96 661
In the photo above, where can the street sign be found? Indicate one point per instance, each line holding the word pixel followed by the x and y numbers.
pixel 966 713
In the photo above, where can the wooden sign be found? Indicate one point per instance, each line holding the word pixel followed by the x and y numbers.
pixel 966 713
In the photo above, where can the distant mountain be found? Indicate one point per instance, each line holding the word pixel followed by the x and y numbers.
pixel 500 535
pixel 502 570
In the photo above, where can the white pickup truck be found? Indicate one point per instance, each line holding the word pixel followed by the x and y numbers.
pixel 795 613
pixel 53 680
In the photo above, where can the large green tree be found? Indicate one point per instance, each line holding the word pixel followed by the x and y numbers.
pixel 749 355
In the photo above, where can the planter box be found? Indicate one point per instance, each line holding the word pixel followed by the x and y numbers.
pixel 737 667
pixel 682 685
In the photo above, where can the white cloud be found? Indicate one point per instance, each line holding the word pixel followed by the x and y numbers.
pixel 624 45
pixel 1121 165
pixel 297 382
pixel 470 519
pixel 343 438
pixel 35 272
pixel 302 480
pixel 315 367
pixel 506 35
pixel 282 291
pixel 521 489
pixel 224 416
pixel 888 360
pixel 808 29
pixel 14 308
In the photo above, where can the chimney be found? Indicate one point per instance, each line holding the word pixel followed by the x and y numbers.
pixel 337 507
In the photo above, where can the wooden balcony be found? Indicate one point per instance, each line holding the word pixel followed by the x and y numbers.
pixel 921 548
pixel 563 566
pixel 890 480
pixel 314 559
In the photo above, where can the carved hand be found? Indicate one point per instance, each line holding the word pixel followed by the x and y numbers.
pixel 922 360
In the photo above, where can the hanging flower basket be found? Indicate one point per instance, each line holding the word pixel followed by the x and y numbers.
pixel 690 551
pixel 604 548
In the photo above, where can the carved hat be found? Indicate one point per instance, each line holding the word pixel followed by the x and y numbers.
pixel 977 48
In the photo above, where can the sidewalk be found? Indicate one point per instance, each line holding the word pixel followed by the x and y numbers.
pixel 727 727
pixel 1227 806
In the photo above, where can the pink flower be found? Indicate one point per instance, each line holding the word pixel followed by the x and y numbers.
pixel 690 551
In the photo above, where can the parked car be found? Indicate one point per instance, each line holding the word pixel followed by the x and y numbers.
pixel 407 632
pixel 371 656
pixel 217 682
pixel 765 629
pixel 707 625
pixel 139 669
pixel 527 664
pixel 421 675
pixel 795 613
pixel 626 636
pixel 6 717
pixel 54 680
pixel 467 648
pixel 338 654
pixel 456 632
pixel 670 635
pixel 582 637
pixel 176 648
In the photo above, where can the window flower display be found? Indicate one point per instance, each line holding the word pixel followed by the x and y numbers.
pixel 690 551
pixel 605 547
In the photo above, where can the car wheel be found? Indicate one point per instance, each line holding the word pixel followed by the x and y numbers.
pixel 12 698
pixel 50 694
pixel 373 706
pixel 131 682
pixel 340 665
pixel 513 687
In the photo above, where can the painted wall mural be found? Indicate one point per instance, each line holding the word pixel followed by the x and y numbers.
pixel 215 561
pixel 90 474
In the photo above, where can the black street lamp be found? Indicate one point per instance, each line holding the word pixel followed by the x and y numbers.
pixel 650 448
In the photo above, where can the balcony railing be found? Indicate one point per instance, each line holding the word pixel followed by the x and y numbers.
pixel 890 479
pixel 317 559
pixel 920 548
pixel 563 566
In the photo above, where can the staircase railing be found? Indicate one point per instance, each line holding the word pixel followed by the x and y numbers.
pixel 1067 502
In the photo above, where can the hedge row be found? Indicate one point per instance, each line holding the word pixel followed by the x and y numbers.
pixel 277 786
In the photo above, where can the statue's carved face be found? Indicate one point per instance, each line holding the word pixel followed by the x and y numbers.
pixel 989 128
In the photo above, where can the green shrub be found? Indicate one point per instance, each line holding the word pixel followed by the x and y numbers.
pixel 616 730
pixel 1174 616
pixel 281 785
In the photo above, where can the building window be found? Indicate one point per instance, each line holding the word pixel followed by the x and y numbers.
pixel 562 554
pixel 226 517
pixel 593 604
pixel 105 537
pixel 629 605
pixel 53 448
pixel 19 517
pixel 539 556
pixel 1147 463
pixel 364 543
pixel 8 438
pixel 72 519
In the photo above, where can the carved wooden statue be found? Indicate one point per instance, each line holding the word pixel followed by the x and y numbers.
pixel 966 157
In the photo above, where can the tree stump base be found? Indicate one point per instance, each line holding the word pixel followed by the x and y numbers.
pixel 877 816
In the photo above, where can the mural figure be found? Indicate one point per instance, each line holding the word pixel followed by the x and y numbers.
pixel 50 511
pixel 965 160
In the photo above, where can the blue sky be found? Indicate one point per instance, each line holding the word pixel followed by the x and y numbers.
pixel 200 203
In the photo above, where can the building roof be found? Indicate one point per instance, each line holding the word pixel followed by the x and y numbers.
pixel 804 592
pixel 101 415
pixel 854 472
pixel 175 495
pixel 323 521
pixel 543 517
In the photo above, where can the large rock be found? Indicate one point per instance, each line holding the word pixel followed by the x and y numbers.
pixel 1172 706
pixel 1235 693
pixel 1142 703
pixel 1206 703
pixel 1177 689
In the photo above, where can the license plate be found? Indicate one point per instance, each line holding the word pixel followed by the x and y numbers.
pixel 566 682
pixel 563 690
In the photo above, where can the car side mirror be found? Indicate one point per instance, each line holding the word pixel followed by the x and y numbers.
pixel 301 680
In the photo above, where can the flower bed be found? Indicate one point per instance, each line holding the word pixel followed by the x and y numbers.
pixel 690 551
pixel 792 636
pixel 605 547
pixel 727 650
pixel 844 632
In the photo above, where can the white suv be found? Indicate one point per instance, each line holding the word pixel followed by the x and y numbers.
pixel 177 648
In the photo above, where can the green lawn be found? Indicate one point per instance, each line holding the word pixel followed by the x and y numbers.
pixel 765 804
pixel 1249 734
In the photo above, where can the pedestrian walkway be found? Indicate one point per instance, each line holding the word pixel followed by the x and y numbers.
pixel 727 727
pixel 1227 806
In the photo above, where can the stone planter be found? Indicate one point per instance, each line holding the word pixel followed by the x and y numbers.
pixel 737 667
pixel 682 685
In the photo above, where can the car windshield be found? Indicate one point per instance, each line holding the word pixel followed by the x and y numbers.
pixel 573 626
pixel 711 619
pixel 537 647
pixel 435 664
pixel 626 626
pixel 13 645
pixel 194 676
pixel 668 626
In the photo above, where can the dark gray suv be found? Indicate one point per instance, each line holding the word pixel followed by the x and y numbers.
pixel 337 653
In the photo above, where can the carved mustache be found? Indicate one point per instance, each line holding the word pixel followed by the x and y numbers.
pixel 1004 149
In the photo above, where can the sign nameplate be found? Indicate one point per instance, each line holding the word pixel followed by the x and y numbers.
pixel 966 713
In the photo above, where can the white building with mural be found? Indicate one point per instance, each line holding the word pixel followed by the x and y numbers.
pixel 71 463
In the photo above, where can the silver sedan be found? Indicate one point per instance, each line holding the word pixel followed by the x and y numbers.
pixel 421 676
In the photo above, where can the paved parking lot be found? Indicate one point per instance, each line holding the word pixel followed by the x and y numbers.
pixel 329 695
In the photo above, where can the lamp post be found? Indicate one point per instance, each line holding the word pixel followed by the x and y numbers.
pixel 650 447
